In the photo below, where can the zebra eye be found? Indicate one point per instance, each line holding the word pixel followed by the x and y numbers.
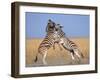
pixel 49 20
pixel 61 26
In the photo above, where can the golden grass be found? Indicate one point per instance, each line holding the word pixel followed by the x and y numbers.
pixel 56 57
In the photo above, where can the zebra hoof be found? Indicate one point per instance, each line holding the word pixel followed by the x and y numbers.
pixel 78 61
pixel 44 63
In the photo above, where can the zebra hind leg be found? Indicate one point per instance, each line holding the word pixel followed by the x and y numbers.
pixel 44 58
pixel 72 54
pixel 78 53
pixel 73 61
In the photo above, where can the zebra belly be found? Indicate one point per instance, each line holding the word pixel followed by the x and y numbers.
pixel 65 43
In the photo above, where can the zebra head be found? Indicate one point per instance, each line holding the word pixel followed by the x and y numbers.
pixel 59 31
pixel 50 25
pixel 58 27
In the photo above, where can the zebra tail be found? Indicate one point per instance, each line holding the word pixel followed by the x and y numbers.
pixel 36 59
pixel 81 54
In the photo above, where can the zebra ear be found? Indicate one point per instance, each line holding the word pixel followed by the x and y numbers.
pixel 49 20
pixel 61 26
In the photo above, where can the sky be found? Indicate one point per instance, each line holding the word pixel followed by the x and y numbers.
pixel 73 25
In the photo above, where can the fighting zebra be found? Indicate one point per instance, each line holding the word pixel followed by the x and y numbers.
pixel 48 42
pixel 51 26
pixel 56 35
pixel 68 44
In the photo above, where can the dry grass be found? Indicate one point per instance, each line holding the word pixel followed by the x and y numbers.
pixel 56 57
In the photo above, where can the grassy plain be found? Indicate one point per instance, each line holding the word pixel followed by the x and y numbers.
pixel 56 57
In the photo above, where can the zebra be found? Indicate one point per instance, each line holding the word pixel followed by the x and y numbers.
pixel 50 26
pixel 48 42
pixel 67 44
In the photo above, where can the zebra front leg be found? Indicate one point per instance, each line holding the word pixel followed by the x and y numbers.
pixel 44 58
pixel 59 44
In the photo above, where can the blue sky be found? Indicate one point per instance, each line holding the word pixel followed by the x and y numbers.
pixel 73 25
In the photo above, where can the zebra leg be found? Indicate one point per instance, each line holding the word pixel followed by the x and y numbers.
pixel 44 58
pixel 61 44
pixel 77 53
pixel 72 56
